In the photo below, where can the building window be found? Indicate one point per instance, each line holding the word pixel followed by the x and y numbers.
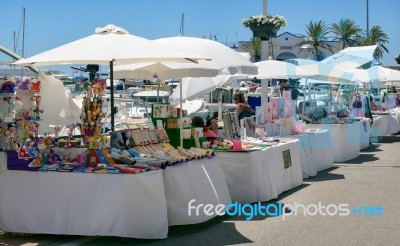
pixel 286 47
pixel 285 55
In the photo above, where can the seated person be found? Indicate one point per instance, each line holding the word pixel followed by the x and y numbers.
pixel 197 121
pixel 212 124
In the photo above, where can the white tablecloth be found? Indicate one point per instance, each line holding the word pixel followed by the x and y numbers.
pixel 384 125
pixel 84 204
pixel 345 139
pixel 202 180
pixel 260 175
pixel 365 133
pixel 315 151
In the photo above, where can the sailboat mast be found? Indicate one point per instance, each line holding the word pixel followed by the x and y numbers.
pixel 182 29
pixel 23 31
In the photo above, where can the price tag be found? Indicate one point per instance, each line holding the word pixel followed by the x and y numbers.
pixel 160 124
pixel 150 124
pixel 287 160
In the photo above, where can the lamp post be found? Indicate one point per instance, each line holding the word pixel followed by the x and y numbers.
pixel 308 48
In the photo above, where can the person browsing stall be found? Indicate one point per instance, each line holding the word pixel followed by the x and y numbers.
pixel 243 109
pixel 212 124
pixel 197 121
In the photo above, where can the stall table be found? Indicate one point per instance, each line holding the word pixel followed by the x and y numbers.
pixel 384 125
pixel 120 205
pixel 261 175
pixel 202 180
pixel 315 151
pixel 365 133
pixel 345 139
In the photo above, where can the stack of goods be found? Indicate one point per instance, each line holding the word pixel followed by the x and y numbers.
pixel 150 147
pixel 231 125
pixel 18 122
pixel 92 114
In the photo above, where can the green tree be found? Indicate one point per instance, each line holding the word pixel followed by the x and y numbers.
pixel 317 33
pixel 346 31
pixel 254 48
pixel 376 37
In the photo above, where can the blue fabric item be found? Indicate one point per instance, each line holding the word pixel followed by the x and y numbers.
pixel 133 152
pixel 254 102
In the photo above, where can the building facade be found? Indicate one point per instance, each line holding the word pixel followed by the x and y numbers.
pixel 285 46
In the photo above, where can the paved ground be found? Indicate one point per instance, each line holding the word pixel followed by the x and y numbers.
pixel 372 179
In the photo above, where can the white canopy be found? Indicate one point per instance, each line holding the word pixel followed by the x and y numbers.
pixel 272 69
pixel 376 74
pixel 323 71
pixel 166 70
pixel 110 43
pixel 230 61
pixel 193 88
pixel 351 57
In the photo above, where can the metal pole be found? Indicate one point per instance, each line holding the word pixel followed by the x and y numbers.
pixel 112 94
pixel 23 33
pixel 181 116
pixel 265 6
pixel 367 19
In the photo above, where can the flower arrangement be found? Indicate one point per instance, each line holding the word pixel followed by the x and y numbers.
pixel 278 21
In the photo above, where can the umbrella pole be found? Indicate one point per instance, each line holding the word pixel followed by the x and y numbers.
pixel 112 94
pixel 158 89
pixel 304 98
pixel 181 115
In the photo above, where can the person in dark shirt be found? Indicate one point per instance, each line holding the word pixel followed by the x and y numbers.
pixel 243 109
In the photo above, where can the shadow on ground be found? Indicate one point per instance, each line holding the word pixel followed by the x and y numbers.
pixel 372 148
pixel 325 175
pixel 216 231
pixel 361 159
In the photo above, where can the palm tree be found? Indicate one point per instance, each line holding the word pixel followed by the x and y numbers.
pixel 346 31
pixel 376 37
pixel 317 37
pixel 254 48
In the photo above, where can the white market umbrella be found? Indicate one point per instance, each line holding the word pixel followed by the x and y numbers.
pixel 351 57
pixel 376 74
pixel 323 71
pixel 230 61
pixel 111 46
pixel 273 69
pixel 166 70
pixel 193 88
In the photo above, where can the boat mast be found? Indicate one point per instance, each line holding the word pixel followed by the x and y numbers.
pixel 23 32
pixel 182 28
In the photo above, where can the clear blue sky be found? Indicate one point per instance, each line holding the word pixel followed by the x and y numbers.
pixel 51 23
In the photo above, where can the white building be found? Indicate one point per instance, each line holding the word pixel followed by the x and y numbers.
pixel 285 46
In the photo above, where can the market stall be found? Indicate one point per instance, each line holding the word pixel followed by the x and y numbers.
pixel 263 174
pixel 84 204
pixel 345 139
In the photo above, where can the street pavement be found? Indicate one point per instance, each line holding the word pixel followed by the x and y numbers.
pixel 372 179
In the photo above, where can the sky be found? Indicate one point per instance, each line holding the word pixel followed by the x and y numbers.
pixel 51 23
